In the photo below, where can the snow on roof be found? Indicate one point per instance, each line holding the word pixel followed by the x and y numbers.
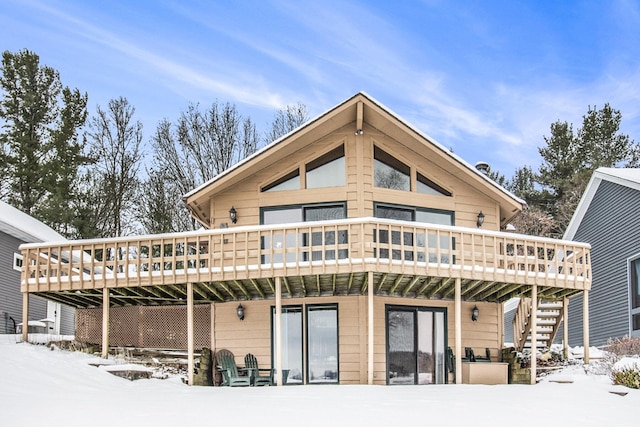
pixel 24 227
pixel 628 177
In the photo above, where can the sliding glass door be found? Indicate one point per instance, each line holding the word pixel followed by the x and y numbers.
pixel 416 343
pixel 291 344
pixel 322 344
pixel 309 345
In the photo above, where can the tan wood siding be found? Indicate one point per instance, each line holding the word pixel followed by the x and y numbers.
pixel 358 191
pixel 253 334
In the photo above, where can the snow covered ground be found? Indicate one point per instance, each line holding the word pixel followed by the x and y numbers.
pixel 43 387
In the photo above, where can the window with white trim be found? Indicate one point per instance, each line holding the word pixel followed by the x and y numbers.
pixel 17 261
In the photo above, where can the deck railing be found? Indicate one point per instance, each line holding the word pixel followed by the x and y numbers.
pixel 363 244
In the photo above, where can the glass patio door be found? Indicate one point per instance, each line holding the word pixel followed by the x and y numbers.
pixel 291 344
pixel 416 342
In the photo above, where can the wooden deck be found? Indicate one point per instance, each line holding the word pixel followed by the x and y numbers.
pixel 408 259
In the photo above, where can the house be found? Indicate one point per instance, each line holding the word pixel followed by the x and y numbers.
pixel 354 250
pixel 606 217
pixel 45 316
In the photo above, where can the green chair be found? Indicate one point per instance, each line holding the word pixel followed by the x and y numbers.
pixel 229 370
pixel 469 356
pixel 251 364
pixel 451 363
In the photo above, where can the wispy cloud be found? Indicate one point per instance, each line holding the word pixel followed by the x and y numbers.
pixel 480 79
pixel 241 91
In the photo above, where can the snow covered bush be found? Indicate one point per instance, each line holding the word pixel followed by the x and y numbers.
pixel 626 372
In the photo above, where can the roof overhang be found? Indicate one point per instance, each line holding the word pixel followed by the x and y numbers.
pixel 628 177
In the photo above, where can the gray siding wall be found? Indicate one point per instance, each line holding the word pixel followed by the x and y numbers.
pixel 508 325
pixel 11 297
pixel 611 226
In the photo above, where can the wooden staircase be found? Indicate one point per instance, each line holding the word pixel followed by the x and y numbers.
pixel 548 318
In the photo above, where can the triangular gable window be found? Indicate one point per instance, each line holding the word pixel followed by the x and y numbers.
pixel 426 186
pixel 327 170
pixel 290 181
pixel 390 172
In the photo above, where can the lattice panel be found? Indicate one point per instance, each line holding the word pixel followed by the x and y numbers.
pixel 123 329
pixel 145 327
pixel 89 325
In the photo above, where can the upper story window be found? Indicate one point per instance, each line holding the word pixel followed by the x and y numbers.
pixel 309 245
pixel 389 172
pixel 410 213
pixel 17 261
pixel 327 170
pixel 426 186
pixel 290 181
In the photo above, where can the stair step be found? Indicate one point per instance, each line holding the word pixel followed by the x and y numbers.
pixel 547 315
pixel 554 304
pixel 540 345
pixel 546 323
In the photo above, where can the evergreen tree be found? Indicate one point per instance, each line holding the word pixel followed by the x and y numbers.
pixel 41 148
pixel 601 143
pixel 561 158
pixel 568 161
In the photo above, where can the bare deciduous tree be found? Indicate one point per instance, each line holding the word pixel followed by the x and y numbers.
pixel 286 120
pixel 115 139
pixel 200 146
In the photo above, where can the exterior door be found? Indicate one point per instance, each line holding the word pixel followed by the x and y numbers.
pixel 416 343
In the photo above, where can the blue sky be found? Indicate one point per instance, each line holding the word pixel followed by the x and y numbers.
pixel 484 78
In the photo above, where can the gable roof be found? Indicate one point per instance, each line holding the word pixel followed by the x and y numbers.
pixel 24 227
pixel 628 177
pixel 378 116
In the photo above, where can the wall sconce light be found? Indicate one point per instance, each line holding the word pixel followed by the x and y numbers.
pixel 233 215
pixel 359 132
pixel 480 219
pixel 475 313
pixel 240 312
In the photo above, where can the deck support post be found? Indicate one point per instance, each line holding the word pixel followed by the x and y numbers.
pixel 278 348
pixel 105 322
pixel 190 361
pixel 370 329
pixel 458 329
pixel 25 316
pixel 585 325
pixel 534 333
pixel 565 327
pixel 213 328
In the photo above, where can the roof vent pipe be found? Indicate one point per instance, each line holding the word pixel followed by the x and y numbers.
pixel 483 167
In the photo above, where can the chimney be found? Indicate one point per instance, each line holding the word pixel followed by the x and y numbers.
pixel 483 167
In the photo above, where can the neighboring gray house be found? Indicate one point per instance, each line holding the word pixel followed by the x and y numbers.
pixel 17 228
pixel 608 217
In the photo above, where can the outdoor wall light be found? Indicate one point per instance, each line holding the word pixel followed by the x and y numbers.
pixel 233 216
pixel 475 313
pixel 240 312
pixel 480 219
